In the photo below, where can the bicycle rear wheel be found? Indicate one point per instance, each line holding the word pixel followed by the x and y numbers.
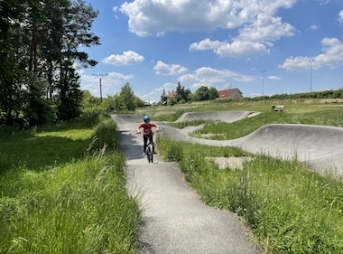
pixel 147 152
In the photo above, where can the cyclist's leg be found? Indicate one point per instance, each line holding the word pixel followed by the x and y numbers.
pixel 145 141
pixel 153 144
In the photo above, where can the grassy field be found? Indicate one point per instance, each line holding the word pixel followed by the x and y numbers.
pixel 288 208
pixel 63 190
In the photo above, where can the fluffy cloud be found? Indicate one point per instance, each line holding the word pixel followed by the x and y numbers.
pixel 127 58
pixel 237 48
pixel 158 17
pixel 313 27
pixel 274 78
pixel 266 28
pixel 209 76
pixel 256 20
pixel 332 56
pixel 340 16
pixel 172 69
pixel 111 83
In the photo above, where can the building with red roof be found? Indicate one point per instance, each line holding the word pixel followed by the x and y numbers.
pixel 233 93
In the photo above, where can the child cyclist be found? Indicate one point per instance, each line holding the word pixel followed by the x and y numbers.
pixel 147 131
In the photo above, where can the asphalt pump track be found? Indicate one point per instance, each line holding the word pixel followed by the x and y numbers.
pixel 174 218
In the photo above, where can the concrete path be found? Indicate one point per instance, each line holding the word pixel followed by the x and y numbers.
pixel 174 218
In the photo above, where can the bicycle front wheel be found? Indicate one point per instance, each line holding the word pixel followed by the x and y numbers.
pixel 150 154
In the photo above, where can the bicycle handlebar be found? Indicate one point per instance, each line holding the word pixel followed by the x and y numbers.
pixel 152 132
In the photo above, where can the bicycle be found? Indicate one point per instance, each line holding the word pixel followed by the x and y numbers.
pixel 149 151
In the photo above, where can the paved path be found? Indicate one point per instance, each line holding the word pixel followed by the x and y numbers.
pixel 174 218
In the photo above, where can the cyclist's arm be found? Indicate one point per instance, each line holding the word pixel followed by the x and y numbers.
pixel 139 128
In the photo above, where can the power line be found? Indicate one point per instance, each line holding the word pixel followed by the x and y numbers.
pixel 100 75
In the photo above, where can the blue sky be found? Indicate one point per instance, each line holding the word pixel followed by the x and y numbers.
pixel 261 47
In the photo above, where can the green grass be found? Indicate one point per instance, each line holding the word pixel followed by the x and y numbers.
pixel 288 208
pixel 63 190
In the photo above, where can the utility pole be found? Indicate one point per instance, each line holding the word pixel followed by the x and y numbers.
pixel 100 75
pixel 263 81
pixel 311 61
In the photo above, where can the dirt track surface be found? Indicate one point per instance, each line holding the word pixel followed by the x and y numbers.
pixel 175 220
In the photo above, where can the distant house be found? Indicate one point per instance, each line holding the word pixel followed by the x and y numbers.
pixel 150 103
pixel 171 94
pixel 233 93
pixel 135 97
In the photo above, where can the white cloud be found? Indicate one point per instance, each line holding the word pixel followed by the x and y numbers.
pixel 236 49
pixel 206 44
pixel 127 58
pixel 172 69
pixel 241 48
pixel 253 38
pixel 155 95
pixel 208 76
pixel 256 20
pixel 313 27
pixel 323 2
pixel 266 28
pixel 111 84
pixel 340 16
pixel 147 17
pixel 274 78
pixel 332 57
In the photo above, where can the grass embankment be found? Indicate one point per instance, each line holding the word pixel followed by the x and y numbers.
pixel 63 190
pixel 288 208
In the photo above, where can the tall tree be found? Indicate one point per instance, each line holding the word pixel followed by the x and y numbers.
pixel 213 93
pixel 39 49
pixel 181 93
pixel 126 97
pixel 164 96
pixel 11 62
pixel 202 93
pixel 77 22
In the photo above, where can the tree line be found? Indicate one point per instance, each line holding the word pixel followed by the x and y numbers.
pixel 39 55
pixel 183 95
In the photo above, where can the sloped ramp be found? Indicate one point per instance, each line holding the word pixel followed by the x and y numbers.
pixel 223 116
pixel 320 147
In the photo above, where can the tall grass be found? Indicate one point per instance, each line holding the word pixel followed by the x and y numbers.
pixel 288 208
pixel 72 200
